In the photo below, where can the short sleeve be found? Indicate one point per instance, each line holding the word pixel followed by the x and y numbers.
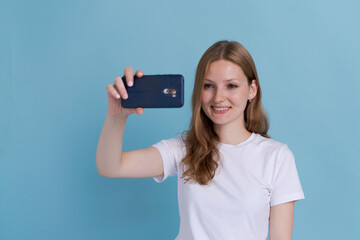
pixel 171 151
pixel 286 184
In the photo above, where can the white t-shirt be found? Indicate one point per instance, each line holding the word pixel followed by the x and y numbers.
pixel 252 176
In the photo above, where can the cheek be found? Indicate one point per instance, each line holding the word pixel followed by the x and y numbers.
pixel 206 98
pixel 240 98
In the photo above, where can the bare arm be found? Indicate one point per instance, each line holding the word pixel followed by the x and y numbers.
pixel 110 160
pixel 281 221
pixel 109 149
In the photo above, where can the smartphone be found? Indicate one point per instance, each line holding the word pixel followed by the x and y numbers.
pixel 155 91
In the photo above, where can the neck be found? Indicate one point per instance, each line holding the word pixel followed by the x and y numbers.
pixel 232 135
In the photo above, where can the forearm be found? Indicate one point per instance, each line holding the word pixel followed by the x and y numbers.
pixel 109 149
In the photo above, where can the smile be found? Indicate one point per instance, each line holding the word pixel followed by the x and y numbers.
pixel 220 110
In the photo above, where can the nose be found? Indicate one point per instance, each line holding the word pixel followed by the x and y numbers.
pixel 219 95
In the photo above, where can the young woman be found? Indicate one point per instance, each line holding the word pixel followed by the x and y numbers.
pixel 234 181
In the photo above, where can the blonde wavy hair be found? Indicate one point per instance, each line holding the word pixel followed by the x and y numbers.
pixel 202 155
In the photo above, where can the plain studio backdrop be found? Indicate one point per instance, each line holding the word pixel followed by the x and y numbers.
pixel 56 58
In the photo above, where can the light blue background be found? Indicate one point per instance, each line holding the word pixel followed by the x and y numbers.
pixel 57 57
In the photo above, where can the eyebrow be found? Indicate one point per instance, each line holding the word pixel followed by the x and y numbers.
pixel 228 80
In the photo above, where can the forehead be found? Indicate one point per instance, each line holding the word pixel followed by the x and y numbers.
pixel 223 70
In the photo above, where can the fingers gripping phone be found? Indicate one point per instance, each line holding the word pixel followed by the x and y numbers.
pixel 155 91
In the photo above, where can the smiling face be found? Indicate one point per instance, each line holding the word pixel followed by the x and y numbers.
pixel 225 94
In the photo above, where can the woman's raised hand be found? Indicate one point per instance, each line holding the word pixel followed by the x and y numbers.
pixel 117 92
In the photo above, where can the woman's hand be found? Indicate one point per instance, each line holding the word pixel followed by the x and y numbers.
pixel 117 92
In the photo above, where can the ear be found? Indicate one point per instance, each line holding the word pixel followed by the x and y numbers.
pixel 253 89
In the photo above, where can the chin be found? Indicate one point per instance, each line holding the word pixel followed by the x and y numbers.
pixel 219 121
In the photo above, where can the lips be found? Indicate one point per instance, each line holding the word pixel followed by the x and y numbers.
pixel 220 109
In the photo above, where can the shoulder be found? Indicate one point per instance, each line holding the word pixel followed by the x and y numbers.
pixel 270 145
pixel 177 142
pixel 264 142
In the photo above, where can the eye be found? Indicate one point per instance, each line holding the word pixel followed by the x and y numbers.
pixel 232 86
pixel 207 85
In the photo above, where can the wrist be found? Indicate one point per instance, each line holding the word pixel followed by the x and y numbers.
pixel 116 117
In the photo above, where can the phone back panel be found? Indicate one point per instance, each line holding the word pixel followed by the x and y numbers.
pixel 155 91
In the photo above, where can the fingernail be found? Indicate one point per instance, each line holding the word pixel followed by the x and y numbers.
pixel 125 96
pixel 118 96
pixel 130 84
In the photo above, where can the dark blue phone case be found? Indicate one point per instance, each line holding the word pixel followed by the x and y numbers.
pixel 155 91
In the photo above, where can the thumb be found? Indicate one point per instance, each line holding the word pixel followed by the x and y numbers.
pixel 139 111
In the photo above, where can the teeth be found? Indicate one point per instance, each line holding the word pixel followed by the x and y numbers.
pixel 221 109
